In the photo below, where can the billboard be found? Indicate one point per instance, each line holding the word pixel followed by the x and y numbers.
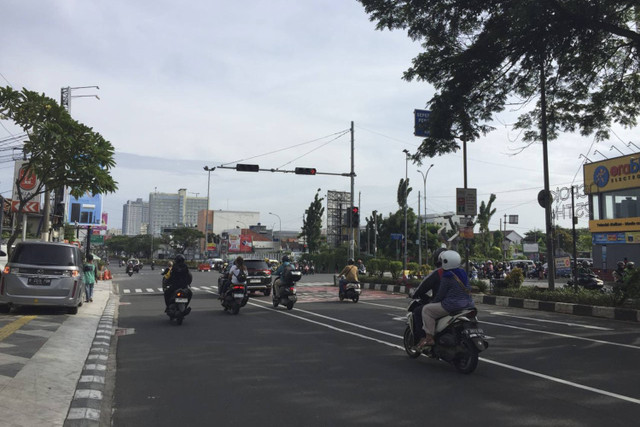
pixel 240 243
pixel 612 174
pixel 86 210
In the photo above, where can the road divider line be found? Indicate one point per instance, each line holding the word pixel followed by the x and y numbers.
pixel 503 314
pixel 557 334
pixel 502 365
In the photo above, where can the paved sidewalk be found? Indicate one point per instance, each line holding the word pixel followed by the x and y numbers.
pixel 40 394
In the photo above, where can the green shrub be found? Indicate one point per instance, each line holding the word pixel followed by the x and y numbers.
pixel 395 268
pixel 514 279
pixel 373 267
pixel 481 285
pixel 384 266
pixel 567 295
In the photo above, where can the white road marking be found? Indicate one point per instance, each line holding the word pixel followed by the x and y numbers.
pixel 503 365
pixel 127 291
pixel 138 290
pixel 501 313
pixel 150 290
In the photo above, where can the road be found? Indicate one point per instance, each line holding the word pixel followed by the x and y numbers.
pixel 327 363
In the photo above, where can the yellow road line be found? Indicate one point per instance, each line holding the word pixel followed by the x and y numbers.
pixel 14 326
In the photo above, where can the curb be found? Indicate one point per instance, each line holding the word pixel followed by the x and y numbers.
pixel 614 313
pixel 87 400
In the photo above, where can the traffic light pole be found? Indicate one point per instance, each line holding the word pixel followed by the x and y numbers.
pixel 351 225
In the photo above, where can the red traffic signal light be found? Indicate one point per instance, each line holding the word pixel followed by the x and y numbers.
pixel 355 216
pixel 247 168
pixel 305 171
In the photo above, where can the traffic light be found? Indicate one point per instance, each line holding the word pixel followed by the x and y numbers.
pixel 305 171
pixel 355 216
pixel 247 168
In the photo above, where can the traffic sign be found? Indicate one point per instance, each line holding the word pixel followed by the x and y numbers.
pixel 421 122
pixel 466 201
pixel 29 207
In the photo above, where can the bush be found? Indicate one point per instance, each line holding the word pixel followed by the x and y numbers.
pixel 395 267
pixel 373 267
pixel 384 266
pixel 514 279
pixel 414 269
pixel 481 285
pixel 568 295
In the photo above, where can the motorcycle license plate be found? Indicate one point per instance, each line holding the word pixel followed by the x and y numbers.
pixel 238 295
pixel 474 333
pixel 179 300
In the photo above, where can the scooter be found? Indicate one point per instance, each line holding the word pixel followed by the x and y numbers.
pixel 129 270
pixel 458 340
pixel 179 305
pixel 286 294
pixel 351 291
pixel 235 297
pixel 589 281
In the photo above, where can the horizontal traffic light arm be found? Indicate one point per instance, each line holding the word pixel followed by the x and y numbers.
pixel 256 168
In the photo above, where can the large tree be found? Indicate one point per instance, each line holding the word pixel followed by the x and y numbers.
pixel 312 224
pixel 59 150
pixel 484 55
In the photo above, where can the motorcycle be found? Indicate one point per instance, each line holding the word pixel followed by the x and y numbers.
pixel 179 305
pixel 129 270
pixel 235 297
pixel 458 340
pixel 351 291
pixel 286 294
pixel 589 281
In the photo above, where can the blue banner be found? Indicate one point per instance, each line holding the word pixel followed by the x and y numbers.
pixel 86 210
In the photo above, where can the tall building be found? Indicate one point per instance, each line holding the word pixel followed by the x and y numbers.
pixel 134 215
pixel 173 209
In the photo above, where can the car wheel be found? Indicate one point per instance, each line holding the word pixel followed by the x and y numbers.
pixel 5 308
pixel 73 310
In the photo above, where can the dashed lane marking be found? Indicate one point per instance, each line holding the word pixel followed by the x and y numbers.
pixel 14 326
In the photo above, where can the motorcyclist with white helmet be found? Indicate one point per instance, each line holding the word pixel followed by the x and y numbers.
pixel 453 295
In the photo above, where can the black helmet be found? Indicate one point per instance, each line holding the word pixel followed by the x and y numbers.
pixel 585 263
pixel 179 259
pixel 436 257
pixel 285 258
pixel 351 261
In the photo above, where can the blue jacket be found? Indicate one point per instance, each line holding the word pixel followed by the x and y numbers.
pixel 453 295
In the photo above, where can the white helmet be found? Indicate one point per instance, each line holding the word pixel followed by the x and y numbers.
pixel 450 260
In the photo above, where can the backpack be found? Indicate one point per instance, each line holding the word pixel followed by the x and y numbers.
pixel 241 276
pixel 290 275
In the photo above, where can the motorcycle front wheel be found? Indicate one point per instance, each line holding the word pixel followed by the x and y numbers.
pixel 466 361
pixel 289 305
pixel 409 344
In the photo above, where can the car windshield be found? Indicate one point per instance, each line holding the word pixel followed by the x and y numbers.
pixel 44 255
pixel 255 264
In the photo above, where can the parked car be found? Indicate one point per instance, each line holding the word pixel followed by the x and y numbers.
pixel 258 276
pixel 204 266
pixel 43 273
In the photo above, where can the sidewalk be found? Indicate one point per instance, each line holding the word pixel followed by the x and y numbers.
pixel 40 394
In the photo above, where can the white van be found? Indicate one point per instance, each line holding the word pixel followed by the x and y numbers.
pixel 516 262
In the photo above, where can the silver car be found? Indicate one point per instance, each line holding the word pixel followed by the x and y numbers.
pixel 43 273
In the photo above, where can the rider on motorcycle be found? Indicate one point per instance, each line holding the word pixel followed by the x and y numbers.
pixel 280 273
pixel 349 274
pixel 430 283
pixel 453 295
pixel 179 277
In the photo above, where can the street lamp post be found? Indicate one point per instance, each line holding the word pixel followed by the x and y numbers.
pixel 280 232
pixel 206 214
pixel 426 244
pixel 406 202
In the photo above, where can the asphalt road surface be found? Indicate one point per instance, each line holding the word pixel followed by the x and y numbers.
pixel 332 363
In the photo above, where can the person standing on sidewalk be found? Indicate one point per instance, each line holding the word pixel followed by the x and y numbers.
pixel 89 277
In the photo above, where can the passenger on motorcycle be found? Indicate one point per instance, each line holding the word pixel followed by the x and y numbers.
pixel 179 277
pixel 349 274
pixel 235 275
pixel 453 295
pixel 430 283
pixel 361 268
pixel 584 269
pixel 280 275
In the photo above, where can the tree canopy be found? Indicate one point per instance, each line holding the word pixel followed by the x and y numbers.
pixel 312 224
pixel 482 56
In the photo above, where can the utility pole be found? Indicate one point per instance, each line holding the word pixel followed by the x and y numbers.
pixel 353 174
pixel 406 202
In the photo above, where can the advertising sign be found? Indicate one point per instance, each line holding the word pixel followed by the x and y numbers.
pixel 612 174
pixel 620 224
pixel 466 201
pixel 86 211
pixel 28 186
pixel 240 243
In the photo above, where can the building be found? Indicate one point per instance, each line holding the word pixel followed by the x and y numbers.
pixel 613 188
pixel 134 215
pixel 173 209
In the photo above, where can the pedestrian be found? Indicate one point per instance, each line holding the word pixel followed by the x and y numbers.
pixel 89 277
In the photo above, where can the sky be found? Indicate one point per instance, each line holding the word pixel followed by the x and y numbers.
pixel 183 85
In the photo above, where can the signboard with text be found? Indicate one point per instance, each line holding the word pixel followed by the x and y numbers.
pixel 421 122
pixel 86 211
pixel 466 201
pixel 28 185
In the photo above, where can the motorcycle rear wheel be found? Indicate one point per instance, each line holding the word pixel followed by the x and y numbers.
pixel 356 298
pixel 289 305
pixel 235 309
pixel 409 344
pixel 179 320
pixel 467 361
